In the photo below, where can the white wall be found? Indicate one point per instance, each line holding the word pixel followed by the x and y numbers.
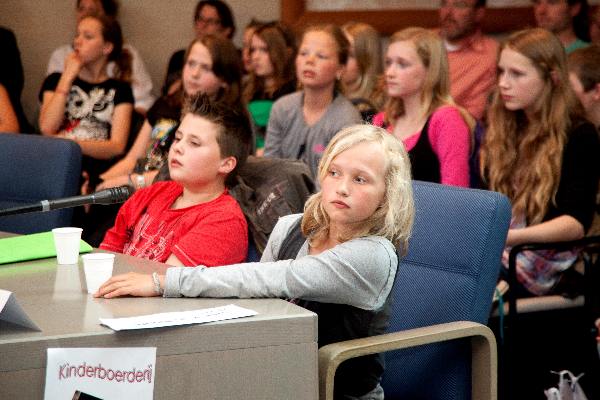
pixel 155 27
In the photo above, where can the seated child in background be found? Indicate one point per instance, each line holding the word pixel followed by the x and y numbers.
pixel 363 69
pixel 537 138
pixel 246 39
pixel 348 234
pixel 584 75
pixel 141 83
pixel 272 75
pixel 420 111
pixel 192 219
pixel 86 105
pixel 211 66
pixel 301 124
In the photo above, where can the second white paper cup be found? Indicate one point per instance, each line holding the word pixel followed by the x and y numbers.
pixel 66 242
pixel 98 269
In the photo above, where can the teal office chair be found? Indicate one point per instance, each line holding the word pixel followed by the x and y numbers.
pixel 442 300
pixel 35 168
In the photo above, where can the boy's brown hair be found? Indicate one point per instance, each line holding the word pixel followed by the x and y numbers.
pixel 235 133
pixel 585 63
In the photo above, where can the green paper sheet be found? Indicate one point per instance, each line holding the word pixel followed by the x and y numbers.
pixel 31 247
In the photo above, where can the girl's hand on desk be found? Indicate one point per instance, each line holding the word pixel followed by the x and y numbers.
pixel 132 284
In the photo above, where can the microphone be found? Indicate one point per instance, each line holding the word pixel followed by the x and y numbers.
pixel 106 196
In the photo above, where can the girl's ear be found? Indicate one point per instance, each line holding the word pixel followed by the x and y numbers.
pixel 227 165
pixel 107 48
pixel 596 92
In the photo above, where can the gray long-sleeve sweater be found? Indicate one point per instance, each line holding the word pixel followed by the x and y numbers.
pixel 359 273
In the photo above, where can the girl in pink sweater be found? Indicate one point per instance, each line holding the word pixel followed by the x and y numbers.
pixel 420 112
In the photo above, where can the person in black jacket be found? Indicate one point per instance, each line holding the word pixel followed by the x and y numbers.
pixel 11 76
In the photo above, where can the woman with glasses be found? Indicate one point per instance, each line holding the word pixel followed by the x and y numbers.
pixel 211 17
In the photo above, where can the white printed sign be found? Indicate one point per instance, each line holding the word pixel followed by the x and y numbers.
pixel 100 373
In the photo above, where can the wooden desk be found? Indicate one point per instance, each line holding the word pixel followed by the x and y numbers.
pixel 269 356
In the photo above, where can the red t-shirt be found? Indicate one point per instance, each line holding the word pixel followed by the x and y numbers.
pixel 212 234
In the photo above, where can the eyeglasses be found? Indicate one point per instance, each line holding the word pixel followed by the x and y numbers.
pixel 208 21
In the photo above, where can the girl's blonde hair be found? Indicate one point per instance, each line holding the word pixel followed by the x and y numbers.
pixel 436 88
pixel 367 51
pixel 521 156
pixel 394 218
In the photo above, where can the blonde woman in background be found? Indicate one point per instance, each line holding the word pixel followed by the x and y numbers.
pixel 363 69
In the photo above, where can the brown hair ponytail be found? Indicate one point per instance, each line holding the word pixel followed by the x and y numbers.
pixel 111 32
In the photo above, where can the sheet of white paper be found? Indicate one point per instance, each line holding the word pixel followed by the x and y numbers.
pixel 230 311
pixel 11 311
pixel 105 373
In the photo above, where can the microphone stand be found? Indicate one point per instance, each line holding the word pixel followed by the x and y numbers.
pixel 107 196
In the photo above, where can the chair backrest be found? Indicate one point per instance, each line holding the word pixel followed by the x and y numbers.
pixel 35 168
pixel 449 274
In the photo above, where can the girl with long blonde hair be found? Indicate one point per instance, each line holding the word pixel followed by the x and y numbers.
pixel 420 111
pixel 541 153
pixel 348 233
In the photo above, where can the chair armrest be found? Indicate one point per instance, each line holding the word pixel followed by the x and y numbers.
pixel 589 243
pixel 483 343
pixel 586 242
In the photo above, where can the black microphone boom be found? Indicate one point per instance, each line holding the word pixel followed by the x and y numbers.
pixel 107 196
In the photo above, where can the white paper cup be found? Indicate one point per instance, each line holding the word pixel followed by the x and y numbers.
pixel 98 269
pixel 66 242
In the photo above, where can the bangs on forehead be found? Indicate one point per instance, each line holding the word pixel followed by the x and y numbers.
pixel 337 36
pixel 345 143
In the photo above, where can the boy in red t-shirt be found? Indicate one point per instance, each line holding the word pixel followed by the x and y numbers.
pixel 191 220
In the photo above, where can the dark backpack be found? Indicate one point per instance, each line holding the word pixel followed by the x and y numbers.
pixel 269 188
